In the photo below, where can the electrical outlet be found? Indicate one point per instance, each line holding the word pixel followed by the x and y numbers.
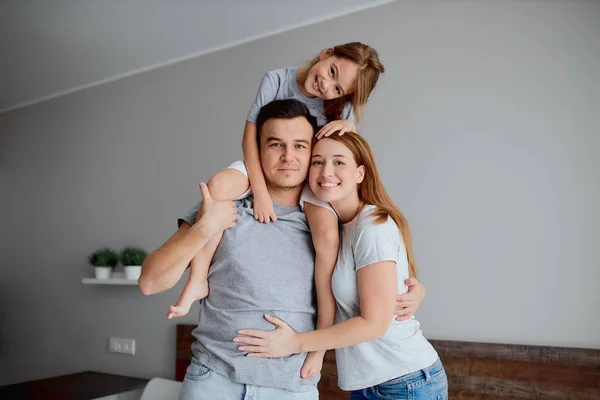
pixel 124 346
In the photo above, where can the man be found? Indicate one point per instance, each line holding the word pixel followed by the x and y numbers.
pixel 257 269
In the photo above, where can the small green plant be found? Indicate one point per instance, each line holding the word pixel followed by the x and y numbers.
pixel 133 256
pixel 104 258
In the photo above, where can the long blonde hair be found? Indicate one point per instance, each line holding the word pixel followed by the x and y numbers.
pixel 372 191
pixel 369 68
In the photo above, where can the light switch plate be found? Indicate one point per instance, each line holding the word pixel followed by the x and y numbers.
pixel 123 346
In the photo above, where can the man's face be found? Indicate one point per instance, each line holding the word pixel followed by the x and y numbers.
pixel 285 148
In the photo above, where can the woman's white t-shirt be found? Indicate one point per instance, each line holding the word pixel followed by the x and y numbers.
pixel 403 349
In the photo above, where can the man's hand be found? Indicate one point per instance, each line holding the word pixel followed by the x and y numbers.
pixel 408 303
pixel 215 216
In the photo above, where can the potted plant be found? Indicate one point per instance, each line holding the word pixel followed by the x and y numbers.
pixel 103 260
pixel 132 259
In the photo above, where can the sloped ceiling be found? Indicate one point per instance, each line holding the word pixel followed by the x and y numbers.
pixel 50 48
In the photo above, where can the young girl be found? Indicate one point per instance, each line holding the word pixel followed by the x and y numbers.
pixel 377 357
pixel 335 86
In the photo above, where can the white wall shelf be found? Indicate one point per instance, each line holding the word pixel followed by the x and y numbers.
pixel 117 278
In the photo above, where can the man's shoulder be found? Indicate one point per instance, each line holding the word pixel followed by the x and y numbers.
pixel 286 215
pixel 247 196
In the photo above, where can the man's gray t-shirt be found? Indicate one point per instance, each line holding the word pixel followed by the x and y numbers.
pixel 403 349
pixel 280 84
pixel 258 269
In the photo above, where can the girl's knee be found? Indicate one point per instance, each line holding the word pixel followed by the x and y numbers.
pixel 228 184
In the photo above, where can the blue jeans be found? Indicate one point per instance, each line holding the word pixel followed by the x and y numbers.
pixel 429 383
pixel 202 383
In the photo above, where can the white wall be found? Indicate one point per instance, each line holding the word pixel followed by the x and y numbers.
pixel 54 47
pixel 484 129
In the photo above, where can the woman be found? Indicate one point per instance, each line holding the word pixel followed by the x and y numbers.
pixel 377 356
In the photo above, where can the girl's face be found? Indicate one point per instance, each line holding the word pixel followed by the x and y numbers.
pixel 333 174
pixel 331 77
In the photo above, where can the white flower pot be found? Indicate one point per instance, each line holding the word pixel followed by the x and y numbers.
pixel 133 272
pixel 102 272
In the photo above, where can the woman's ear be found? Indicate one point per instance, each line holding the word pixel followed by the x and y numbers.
pixel 325 53
pixel 360 174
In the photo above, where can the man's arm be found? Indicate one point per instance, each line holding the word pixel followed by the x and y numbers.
pixel 408 303
pixel 163 268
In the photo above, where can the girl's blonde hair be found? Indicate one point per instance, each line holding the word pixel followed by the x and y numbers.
pixel 372 191
pixel 369 68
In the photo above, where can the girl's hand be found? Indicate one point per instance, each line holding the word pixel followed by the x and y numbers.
pixel 215 216
pixel 263 209
pixel 280 342
pixel 408 303
pixel 341 126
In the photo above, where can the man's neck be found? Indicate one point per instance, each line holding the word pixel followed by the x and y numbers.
pixel 286 197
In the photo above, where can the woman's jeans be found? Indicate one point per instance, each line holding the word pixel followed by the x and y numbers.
pixel 429 383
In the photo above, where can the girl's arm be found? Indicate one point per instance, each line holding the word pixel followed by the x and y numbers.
pixel 323 225
pixel 340 126
pixel 325 299
pixel 263 206
pixel 346 123
pixel 377 286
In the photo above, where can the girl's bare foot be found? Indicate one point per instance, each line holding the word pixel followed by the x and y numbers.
pixel 312 364
pixel 193 290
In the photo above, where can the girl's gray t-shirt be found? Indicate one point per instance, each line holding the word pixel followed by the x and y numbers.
pixel 403 349
pixel 280 84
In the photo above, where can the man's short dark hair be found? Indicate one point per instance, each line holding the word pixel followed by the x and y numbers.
pixel 284 109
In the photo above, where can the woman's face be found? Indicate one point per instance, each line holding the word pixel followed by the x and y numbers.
pixel 333 174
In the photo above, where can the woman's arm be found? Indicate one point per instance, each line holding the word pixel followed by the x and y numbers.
pixel 377 293
pixel 377 286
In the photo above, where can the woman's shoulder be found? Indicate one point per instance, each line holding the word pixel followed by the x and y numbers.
pixel 375 236
pixel 370 221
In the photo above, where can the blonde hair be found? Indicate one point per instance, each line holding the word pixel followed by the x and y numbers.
pixel 372 191
pixel 369 68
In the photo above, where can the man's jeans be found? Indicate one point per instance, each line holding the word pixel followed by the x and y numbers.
pixel 429 383
pixel 202 383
